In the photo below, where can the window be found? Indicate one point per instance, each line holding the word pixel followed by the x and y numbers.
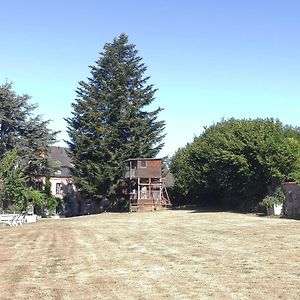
pixel 58 189
pixel 143 164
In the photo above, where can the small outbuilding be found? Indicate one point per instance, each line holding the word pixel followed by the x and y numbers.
pixel 147 189
pixel 291 203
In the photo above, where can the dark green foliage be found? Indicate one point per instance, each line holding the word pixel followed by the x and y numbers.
pixel 122 205
pixel 110 123
pixel 234 162
pixel 20 130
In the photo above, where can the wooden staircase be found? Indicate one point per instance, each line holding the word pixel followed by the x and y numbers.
pixel 165 201
pixel 150 204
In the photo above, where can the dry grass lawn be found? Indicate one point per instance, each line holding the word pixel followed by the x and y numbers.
pixel 156 255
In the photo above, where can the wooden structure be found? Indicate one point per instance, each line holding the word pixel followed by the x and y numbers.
pixel 147 190
pixel 291 203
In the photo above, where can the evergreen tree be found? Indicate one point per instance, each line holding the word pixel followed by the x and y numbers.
pixel 20 130
pixel 110 123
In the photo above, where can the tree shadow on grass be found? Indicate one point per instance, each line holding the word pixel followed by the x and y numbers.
pixel 196 209
pixel 215 209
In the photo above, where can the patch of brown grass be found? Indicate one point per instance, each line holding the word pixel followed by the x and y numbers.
pixel 159 255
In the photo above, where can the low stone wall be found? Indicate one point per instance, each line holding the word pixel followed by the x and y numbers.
pixel 291 206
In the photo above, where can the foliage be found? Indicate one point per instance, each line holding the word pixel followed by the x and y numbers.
pixel 110 123
pixel 269 201
pixel 20 130
pixel 43 205
pixel 122 205
pixel 233 162
pixel 37 198
pixel 47 187
pixel 14 191
pixel 53 204
pixel 13 181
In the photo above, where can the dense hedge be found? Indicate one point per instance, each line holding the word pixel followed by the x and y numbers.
pixel 235 162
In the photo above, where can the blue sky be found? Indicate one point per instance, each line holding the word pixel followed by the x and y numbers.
pixel 209 59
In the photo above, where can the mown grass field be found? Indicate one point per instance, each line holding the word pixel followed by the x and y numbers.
pixel 157 255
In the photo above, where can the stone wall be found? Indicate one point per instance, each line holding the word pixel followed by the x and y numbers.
pixel 291 207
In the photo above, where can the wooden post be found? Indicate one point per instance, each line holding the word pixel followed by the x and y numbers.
pixel 139 190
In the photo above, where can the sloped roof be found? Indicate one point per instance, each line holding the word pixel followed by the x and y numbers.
pixel 60 155
pixel 144 158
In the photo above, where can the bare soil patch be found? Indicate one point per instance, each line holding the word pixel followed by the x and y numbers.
pixel 155 255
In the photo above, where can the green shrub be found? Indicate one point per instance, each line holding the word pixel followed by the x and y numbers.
pixel 269 201
pixel 53 203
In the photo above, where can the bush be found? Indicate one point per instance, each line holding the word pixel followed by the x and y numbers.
pixel 269 201
pixel 38 200
pixel 119 205
pixel 53 204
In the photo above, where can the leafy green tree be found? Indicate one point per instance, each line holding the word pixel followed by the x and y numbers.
pixel 37 198
pixel 110 123
pixel 235 163
pixel 20 130
pixel 14 190
pixel 13 181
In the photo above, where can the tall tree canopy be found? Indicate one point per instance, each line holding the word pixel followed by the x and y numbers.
pixel 21 130
pixel 110 122
pixel 235 162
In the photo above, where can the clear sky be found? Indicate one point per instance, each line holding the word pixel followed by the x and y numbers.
pixel 209 59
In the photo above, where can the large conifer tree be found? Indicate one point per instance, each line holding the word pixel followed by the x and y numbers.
pixel 110 122
pixel 21 130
